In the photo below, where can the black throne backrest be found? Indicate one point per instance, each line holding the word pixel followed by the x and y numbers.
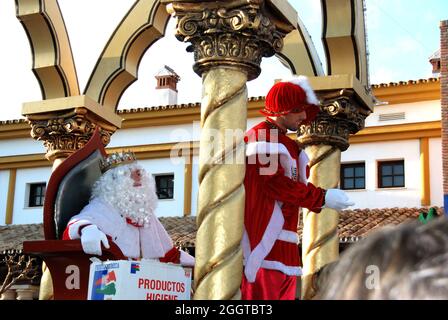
pixel 70 185
pixel 75 190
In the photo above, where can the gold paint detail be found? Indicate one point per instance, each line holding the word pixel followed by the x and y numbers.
pixel 320 243
pixel 408 92
pixel 344 38
pixel 342 113
pixel 425 172
pixel 340 116
pixel 220 214
pixel 143 152
pixel 117 67
pixel 188 182
pixel 11 196
pixel 235 34
pixel 68 103
pixel 299 53
pixel 53 63
pixel 229 39
pixel 406 131
pixel 66 131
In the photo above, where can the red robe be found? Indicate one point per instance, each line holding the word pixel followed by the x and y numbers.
pixel 276 187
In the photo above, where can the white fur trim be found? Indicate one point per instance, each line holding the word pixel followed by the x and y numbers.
pixel 245 244
pixel 255 259
pixel 289 236
pixel 73 228
pixel 277 265
pixel 186 260
pixel 302 82
pixel 264 148
pixel 303 163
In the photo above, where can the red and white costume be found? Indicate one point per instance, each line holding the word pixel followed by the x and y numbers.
pixel 151 242
pixel 273 198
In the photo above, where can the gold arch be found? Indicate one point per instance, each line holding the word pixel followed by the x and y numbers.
pixel 52 56
pixel 344 38
pixel 299 53
pixel 117 66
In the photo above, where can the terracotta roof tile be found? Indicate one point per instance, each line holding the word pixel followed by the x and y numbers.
pixel 360 222
pixel 12 236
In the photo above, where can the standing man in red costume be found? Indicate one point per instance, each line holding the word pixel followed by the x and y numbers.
pixel 276 187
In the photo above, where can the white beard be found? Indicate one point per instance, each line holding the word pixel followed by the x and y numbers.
pixel 116 187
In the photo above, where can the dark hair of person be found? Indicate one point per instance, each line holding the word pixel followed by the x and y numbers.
pixel 409 261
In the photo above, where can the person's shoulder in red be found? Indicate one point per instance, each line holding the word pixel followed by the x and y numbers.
pixel 266 131
pixel 259 132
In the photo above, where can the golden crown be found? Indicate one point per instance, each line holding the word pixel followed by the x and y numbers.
pixel 116 159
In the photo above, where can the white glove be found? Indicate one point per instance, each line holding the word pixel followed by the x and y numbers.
pixel 186 259
pixel 91 239
pixel 337 199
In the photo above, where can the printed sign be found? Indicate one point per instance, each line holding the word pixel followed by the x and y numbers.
pixel 138 280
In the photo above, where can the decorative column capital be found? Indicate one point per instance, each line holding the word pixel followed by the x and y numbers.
pixel 236 34
pixel 341 115
pixel 64 132
pixel 66 124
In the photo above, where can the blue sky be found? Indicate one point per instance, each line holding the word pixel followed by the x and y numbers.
pixel 402 34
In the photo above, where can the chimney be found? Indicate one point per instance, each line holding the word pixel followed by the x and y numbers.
pixel 444 105
pixel 434 60
pixel 166 87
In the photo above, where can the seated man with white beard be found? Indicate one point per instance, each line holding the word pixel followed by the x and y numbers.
pixel 121 208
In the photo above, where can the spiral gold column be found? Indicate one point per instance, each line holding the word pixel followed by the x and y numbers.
pixel 229 39
pixel 323 141
pixel 320 242
pixel 220 213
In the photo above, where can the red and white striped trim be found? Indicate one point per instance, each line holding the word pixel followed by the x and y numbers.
pixel 186 259
pixel 254 259
pixel 264 148
pixel 74 228
pixel 289 236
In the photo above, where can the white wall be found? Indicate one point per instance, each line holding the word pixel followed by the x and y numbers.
pixel 423 111
pixel 175 206
pixel 10 147
pixel 164 97
pixel 155 135
pixel 23 214
pixel 436 171
pixel 4 183
pixel 371 153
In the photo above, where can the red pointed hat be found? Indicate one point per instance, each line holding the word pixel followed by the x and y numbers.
pixel 292 95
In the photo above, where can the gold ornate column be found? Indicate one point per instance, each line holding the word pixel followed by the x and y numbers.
pixel 65 125
pixel 229 39
pixel 343 113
